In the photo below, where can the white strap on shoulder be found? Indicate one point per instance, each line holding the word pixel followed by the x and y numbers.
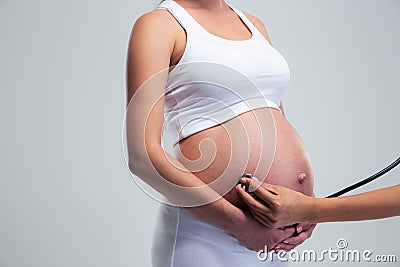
pixel 179 13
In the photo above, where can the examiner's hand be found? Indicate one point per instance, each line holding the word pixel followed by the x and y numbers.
pixel 275 206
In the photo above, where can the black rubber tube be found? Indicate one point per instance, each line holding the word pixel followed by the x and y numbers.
pixel 366 180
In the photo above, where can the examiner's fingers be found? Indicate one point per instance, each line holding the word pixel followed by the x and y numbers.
pixel 261 219
pixel 254 184
pixel 266 192
pixel 264 219
pixel 252 202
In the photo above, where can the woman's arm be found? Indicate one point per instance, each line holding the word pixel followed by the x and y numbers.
pixel 282 206
pixel 150 48
pixel 281 108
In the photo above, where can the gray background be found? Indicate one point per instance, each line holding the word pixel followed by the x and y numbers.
pixel 66 195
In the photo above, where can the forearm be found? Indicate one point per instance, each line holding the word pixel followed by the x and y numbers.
pixel 169 177
pixel 163 172
pixel 221 212
pixel 376 204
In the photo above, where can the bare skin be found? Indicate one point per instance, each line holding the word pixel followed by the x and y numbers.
pixel 157 42
pixel 282 206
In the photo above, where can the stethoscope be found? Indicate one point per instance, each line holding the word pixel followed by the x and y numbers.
pixel 342 191
pixel 366 180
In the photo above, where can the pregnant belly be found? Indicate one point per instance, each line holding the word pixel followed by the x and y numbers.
pixel 261 142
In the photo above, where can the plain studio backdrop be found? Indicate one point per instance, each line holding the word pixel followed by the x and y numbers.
pixel 66 195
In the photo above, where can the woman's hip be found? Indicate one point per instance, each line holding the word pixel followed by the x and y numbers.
pixel 182 239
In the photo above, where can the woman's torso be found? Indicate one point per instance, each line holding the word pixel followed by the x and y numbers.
pixel 260 141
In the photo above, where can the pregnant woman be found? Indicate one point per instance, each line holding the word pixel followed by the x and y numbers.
pixel 205 75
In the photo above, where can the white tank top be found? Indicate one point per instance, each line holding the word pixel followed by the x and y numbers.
pixel 218 79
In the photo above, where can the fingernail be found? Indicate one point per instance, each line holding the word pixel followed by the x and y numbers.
pixel 284 241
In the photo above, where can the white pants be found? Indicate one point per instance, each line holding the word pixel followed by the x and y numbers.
pixel 182 239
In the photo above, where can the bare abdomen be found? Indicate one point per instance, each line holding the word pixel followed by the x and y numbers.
pixel 261 142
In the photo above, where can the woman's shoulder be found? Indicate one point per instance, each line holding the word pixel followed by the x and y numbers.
pixel 156 19
pixel 259 25
pixel 154 31
pixel 156 26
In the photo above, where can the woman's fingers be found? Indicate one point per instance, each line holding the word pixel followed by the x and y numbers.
pixel 285 247
pixel 304 226
pixel 292 242
pixel 297 240
pixel 301 237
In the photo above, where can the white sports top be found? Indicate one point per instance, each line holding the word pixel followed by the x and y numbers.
pixel 218 79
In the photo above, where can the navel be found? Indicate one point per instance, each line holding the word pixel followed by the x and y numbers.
pixel 302 177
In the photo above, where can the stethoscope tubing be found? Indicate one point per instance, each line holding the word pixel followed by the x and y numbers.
pixel 366 180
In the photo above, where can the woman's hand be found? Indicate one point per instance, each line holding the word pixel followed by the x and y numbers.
pixel 256 236
pixel 303 232
pixel 275 206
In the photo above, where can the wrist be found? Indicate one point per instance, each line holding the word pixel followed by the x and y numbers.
pixel 312 210
pixel 236 220
pixel 229 216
